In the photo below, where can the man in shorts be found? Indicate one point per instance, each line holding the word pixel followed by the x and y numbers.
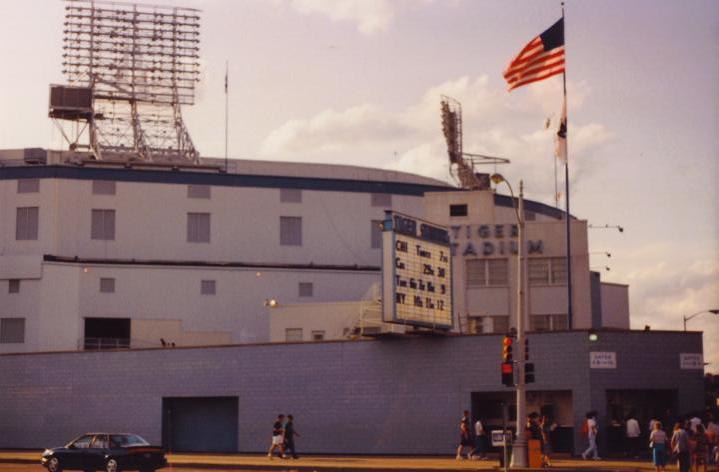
pixel 465 437
pixel 278 437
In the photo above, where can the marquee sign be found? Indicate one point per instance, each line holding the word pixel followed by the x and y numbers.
pixel 416 272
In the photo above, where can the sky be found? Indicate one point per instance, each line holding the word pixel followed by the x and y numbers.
pixel 359 82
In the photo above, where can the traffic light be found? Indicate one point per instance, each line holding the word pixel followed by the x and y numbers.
pixel 507 343
pixel 508 374
pixel 528 373
pixel 526 349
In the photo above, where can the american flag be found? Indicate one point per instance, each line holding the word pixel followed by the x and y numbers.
pixel 541 58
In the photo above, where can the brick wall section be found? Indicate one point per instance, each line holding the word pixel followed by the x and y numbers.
pixel 385 396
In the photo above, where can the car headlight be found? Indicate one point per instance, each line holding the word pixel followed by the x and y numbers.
pixel 46 452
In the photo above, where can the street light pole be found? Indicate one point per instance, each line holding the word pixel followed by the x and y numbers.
pixel 519 448
pixel 714 311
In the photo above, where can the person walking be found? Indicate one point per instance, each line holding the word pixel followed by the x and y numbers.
pixel 480 436
pixel 701 449
pixel 633 433
pixel 592 432
pixel 546 428
pixel 680 447
pixel 465 438
pixel 277 437
pixel 658 444
pixel 290 434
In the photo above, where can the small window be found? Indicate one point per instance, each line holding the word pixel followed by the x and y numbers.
pixel 382 200
pixel 306 289
pixel 207 287
pixel 12 330
pixel 198 227
pixel 376 234
pixel 103 225
pixel 318 335
pixel 290 195
pixel 28 185
pixel 500 324
pixel 107 285
pixel 458 210
pixel 103 187
pixel 487 272
pixel 13 286
pixel 199 191
pixel 26 223
pixel 548 271
pixel 293 334
pixel 290 231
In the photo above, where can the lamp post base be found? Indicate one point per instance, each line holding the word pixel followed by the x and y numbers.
pixel 519 453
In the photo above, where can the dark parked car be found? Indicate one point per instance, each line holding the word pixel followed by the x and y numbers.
pixel 111 452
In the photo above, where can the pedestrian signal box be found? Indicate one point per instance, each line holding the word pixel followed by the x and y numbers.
pixel 528 373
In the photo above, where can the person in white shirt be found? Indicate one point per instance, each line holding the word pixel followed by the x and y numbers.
pixel 633 434
pixel 592 431
pixel 479 441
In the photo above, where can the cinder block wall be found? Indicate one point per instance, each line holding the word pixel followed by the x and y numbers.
pixel 354 397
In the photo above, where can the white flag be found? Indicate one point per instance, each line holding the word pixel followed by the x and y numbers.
pixel 560 148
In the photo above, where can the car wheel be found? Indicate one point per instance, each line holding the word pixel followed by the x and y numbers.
pixel 112 466
pixel 53 465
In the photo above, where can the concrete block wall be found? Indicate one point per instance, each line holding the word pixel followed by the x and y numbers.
pixel 349 397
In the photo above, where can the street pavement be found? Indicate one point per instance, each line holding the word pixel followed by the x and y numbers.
pixel 11 461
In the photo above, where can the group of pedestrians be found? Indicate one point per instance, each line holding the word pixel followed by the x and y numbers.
pixel 477 447
pixel 693 444
pixel 540 428
pixel 283 438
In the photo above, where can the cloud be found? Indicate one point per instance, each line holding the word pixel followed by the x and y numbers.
pixel 667 288
pixel 371 16
pixel 495 123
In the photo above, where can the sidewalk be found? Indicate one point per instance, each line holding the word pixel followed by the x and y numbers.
pixel 353 463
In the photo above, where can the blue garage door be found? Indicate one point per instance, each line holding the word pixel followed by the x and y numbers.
pixel 200 424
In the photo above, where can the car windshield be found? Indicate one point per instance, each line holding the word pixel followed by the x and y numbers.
pixel 127 440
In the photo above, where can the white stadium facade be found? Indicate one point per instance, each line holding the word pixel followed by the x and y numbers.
pixel 218 296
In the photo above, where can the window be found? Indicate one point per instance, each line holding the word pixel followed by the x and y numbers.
pixel 290 231
pixel 107 285
pixel 475 324
pixel 12 330
pixel 198 191
pixel 548 271
pixel 207 287
pixel 198 227
pixel 547 322
pixel 376 234
pixel 26 223
pixel 28 185
pixel 290 195
pixel 103 225
pixel 318 335
pixel 293 334
pixel 103 187
pixel 487 272
pixel 458 210
pixel 382 200
pixel 500 324
pixel 13 286
pixel 306 289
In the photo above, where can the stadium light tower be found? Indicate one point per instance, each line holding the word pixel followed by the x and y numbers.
pixel 130 68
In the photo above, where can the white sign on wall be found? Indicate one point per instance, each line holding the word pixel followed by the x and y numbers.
pixel 690 361
pixel 416 272
pixel 602 360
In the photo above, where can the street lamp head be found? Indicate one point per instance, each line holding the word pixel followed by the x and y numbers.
pixel 497 178
pixel 621 230
pixel 715 311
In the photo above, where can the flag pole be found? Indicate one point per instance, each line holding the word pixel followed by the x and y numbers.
pixel 566 191
pixel 226 112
